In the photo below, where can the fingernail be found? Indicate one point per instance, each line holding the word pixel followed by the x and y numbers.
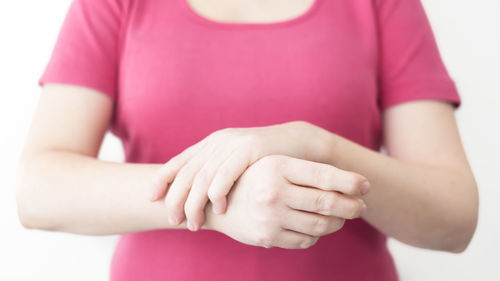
pixel 191 226
pixel 174 220
pixel 365 187
pixel 363 209
pixel 152 191
pixel 217 209
pixel 153 195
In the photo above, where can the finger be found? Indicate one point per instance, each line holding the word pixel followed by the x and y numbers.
pixel 324 176
pixel 311 224
pixel 289 239
pixel 197 198
pixel 166 173
pixel 328 203
pixel 179 190
pixel 225 177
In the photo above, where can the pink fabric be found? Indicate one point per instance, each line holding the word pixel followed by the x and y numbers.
pixel 175 77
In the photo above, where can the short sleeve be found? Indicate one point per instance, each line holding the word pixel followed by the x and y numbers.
pixel 410 65
pixel 87 47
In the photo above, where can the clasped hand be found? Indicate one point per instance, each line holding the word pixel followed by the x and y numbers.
pixel 276 199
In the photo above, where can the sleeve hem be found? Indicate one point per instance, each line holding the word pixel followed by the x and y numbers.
pixel 78 80
pixel 443 91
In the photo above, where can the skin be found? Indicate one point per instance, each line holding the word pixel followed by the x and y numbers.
pixel 63 187
pixel 431 173
pixel 209 168
pixel 284 212
pixel 422 192
pixel 250 10
pixel 429 198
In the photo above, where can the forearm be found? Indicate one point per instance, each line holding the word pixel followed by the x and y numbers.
pixel 64 191
pixel 424 206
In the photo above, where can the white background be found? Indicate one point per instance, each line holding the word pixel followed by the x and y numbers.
pixel 468 33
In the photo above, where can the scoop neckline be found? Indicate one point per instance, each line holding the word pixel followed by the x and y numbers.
pixel 235 25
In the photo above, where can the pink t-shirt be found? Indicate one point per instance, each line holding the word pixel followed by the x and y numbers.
pixel 176 76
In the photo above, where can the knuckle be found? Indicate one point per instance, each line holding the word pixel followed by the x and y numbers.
pixel 268 197
pixel 338 224
pixel 307 242
pixel 216 135
pixel 191 209
pixel 315 240
pixel 222 133
pixel 323 175
pixel 183 174
pixel 273 162
pixel 223 173
pixel 214 194
pixel 354 183
pixel 267 244
pixel 174 162
pixel 259 188
pixel 174 210
pixel 268 218
pixel 218 132
pixel 174 206
pixel 320 226
pixel 248 138
pixel 202 178
pixel 265 240
pixel 229 130
pixel 264 219
pixel 170 202
pixel 326 201
pixel 356 210
pixel 208 138
pixel 155 182
pixel 352 214
pixel 200 184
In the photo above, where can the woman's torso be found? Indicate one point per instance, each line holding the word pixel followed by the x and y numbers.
pixel 183 76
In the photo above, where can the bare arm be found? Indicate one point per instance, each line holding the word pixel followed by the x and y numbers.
pixel 423 193
pixel 63 187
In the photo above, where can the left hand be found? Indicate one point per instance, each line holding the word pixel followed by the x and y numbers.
pixel 208 169
pixel 286 202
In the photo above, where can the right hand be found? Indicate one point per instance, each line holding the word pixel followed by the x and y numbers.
pixel 286 202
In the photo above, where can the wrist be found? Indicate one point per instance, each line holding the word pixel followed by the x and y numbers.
pixel 321 145
pixel 331 143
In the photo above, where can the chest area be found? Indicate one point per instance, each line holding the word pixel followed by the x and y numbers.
pixel 174 70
